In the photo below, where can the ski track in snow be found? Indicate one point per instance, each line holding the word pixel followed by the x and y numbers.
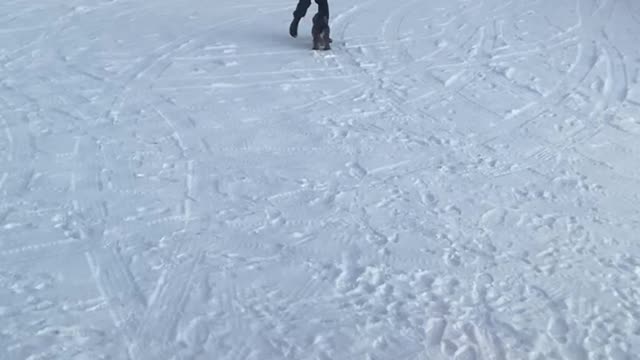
pixel 455 180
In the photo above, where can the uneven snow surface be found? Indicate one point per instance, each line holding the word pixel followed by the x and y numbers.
pixel 457 179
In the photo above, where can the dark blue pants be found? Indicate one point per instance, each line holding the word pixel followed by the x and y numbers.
pixel 303 5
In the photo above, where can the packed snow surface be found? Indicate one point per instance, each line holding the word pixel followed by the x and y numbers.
pixel 456 179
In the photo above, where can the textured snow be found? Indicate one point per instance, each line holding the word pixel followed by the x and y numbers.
pixel 457 179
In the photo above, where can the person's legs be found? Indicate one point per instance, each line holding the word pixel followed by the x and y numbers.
pixel 299 13
pixel 323 8
pixel 301 9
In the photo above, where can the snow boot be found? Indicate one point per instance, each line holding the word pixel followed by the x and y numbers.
pixel 293 28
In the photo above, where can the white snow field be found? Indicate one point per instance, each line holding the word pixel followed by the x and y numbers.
pixel 456 179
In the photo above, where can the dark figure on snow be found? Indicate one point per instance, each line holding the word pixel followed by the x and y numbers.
pixel 321 33
pixel 301 11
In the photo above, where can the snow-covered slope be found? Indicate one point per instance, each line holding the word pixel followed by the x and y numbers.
pixel 457 179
